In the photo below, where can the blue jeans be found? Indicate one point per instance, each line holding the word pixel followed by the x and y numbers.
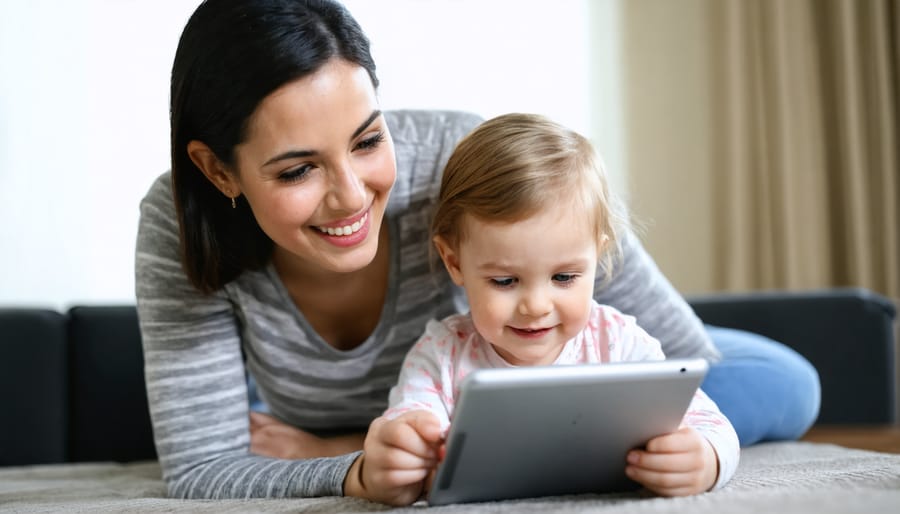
pixel 256 403
pixel 767 390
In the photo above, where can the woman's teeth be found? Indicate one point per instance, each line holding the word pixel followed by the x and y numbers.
pixel 345 230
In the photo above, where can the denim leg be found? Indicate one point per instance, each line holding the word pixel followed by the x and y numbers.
pixel 256 403
pixel 767 390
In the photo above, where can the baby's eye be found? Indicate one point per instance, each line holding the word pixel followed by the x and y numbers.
pixel 565 278
pixel 503 282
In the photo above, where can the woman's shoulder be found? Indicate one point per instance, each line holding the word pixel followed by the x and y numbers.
pixel 158 225
pixel 433 129
pixel 423 142
pixel 158 198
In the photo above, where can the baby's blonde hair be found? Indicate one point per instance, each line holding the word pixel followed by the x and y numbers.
pixel 513 166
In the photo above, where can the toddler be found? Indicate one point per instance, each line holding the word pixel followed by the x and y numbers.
pixel 523 222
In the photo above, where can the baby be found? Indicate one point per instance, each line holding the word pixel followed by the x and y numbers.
pixel 523 223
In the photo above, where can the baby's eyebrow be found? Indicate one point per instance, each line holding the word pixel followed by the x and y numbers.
pixel 573 264
pixel 495 266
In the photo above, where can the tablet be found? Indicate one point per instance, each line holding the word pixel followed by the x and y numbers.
pixel 553 430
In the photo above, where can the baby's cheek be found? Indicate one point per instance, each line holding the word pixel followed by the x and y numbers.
pixel 576 316
pixel 489 319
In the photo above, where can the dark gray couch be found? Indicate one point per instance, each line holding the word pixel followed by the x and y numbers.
pixel 75 387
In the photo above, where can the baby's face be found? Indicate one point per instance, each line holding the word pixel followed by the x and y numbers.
pixel 529 283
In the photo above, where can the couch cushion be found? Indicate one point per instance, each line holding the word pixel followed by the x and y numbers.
pixel 847 334
pixel 33 377
pixel 110 420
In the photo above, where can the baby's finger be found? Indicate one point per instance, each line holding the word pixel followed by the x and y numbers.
pixel 666 462
pixel 427 425
pixel 401 435
pixel 391 457
pixel 683 440
pixel 390 477
pixel 666 484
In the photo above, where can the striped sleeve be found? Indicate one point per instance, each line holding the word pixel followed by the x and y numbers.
pixel 196 384
pixel 637 287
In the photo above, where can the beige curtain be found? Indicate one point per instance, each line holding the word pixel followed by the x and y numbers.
pixel 805 133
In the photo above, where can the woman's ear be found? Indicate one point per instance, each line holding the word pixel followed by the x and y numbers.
pixel 205 159
pixel 450 258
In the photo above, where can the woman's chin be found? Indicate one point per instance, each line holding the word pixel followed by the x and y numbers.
pixel 351 259
pixel 351 263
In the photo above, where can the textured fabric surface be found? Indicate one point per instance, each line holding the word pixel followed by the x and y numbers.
pixel 773 477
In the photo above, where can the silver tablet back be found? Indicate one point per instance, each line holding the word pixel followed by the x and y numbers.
pixel 540 431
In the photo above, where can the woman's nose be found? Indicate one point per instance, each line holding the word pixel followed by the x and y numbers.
pixel 347 192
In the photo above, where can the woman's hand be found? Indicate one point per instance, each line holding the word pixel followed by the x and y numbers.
pixel 398 458
pixel 676 464
pixel 272 438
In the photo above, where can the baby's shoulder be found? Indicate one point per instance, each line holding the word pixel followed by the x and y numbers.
pixel 603 315
pixel 456 328
pixel 446 343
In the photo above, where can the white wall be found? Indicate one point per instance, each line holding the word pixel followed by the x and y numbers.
pixel 84 111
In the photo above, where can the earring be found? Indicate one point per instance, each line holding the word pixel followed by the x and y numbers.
pixel 228 193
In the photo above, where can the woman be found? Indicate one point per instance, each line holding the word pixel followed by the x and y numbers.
pixel 288 247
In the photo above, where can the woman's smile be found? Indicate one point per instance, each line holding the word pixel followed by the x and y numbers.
pixel 348 232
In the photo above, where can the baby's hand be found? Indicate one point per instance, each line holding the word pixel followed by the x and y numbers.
pixel 676 464
pixel 398 456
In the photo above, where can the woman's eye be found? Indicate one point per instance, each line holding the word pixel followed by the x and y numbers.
pixel 503 282
pixel 564 278
pixel 295 174
pixel 371 142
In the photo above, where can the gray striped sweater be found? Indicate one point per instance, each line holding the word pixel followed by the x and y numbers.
pixel 198 349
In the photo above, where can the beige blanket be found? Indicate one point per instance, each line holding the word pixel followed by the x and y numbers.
pixel 772 478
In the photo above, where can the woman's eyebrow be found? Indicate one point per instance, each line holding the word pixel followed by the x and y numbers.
pixel 294 154
pixel 290 154
pixel 359 130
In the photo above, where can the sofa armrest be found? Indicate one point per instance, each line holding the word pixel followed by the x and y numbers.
pixel 33 377
pixel 847 335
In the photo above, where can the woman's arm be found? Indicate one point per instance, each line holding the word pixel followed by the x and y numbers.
pixel 196 385
pixel 637 287
pixel 270 437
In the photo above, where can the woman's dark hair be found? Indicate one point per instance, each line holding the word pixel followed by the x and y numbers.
pixel 231 55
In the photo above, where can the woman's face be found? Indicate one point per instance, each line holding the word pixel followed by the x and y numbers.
pixel 317 169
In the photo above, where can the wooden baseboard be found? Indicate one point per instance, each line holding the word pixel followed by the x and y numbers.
pixel 882 438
